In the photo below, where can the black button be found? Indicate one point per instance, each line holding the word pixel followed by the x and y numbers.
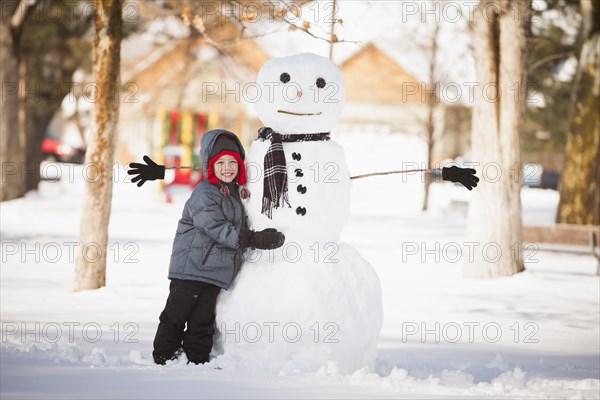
pixel 301 211
pixel 296 156
pixel 298 172
pixel 301 189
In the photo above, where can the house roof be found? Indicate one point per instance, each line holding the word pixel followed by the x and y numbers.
pixel 175 70
pixel 372 76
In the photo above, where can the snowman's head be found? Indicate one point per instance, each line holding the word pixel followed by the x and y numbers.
pixel 303 93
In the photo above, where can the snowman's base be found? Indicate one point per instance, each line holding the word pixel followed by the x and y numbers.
pixel 300 316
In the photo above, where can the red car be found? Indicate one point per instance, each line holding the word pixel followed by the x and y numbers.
pixel 55 150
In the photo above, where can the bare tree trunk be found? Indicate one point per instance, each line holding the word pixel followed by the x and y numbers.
pixel 39 110
pixel 494 221
pixel 12 185
pixel 332 33
pixel 35 130
pixel 432 100
pixel 580 185
pixel 431 104
pixel 429 132
pixel 22 117
pixel 91 263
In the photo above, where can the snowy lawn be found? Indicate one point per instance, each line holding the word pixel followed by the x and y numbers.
pixel 534 335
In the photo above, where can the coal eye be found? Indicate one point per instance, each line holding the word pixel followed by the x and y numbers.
pixel 321 83
pixel 285 77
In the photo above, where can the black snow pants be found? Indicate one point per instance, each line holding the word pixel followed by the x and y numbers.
pixel 190 302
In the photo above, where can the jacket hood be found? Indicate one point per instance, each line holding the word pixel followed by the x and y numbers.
pixel 208 141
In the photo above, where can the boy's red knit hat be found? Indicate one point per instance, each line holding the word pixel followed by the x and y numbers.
pixel 226 146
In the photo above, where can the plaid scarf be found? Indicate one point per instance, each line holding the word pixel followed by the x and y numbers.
pixel 275 184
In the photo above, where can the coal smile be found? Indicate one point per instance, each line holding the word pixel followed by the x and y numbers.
pixel 293 113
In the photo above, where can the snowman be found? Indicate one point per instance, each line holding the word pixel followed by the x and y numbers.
pixel 315 302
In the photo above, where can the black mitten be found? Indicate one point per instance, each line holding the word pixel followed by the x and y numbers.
pixel 267 239
pixel 246 236
pixel 464 176
pixel 150 172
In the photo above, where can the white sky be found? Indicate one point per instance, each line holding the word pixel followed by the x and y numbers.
pixel 394 26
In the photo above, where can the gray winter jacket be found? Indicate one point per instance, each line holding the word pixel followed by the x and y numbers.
pixel 206 246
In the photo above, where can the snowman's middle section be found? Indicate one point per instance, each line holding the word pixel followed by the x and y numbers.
pixel 318 191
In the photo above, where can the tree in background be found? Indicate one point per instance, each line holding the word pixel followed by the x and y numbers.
pixel 42 45
pixel 553 48
pixel 12 18
pixel 580 186
pixel 431 49
pixel 441 119
pixel 494 221
pixel 51 49
pixel 90 270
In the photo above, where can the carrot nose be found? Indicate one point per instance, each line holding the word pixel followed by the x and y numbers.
pixel 299 93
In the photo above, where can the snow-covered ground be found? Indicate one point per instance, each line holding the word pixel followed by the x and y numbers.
pixel 534 335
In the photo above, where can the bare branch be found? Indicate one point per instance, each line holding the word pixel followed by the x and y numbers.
pixel 549 58
pixel 19 16
pixel 305 30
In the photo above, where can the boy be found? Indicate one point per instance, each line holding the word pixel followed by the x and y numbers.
pixel 207 251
